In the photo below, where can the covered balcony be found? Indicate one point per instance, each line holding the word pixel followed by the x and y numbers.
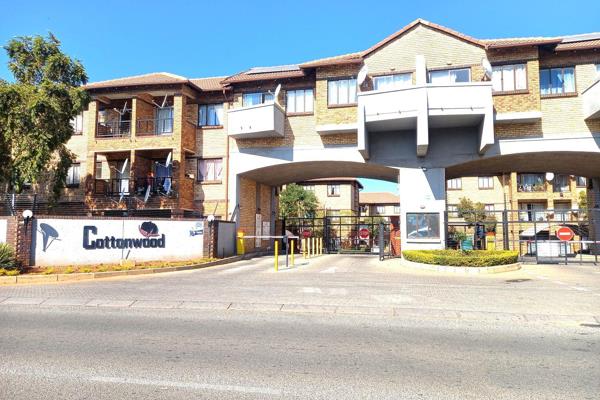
pixel 256 121
pixel 112 174
pixel 154 115
pixel 114 119
pixel 591 101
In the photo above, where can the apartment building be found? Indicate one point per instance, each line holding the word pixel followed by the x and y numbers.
pixel 373 204
pixel 431 104
pixel 336 196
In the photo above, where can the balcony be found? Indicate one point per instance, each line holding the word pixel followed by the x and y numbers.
pixel 114 129
pixel 111 187
pixel 529 183
pixel 260 121
pixel 154 127
pixel 591 101
pixel 427 106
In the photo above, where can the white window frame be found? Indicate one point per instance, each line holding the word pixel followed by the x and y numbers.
pixel 454 184
pixel 554 91
pixel 485 182
pixel 448 71
pixel 265 97
pixel 379 209
pixel 300 101
pixel 397 209
pixel 77 124
pixel 206 112
pixel 504 71
pixel 335 92
pixel 73 179
pixel 217 170
pixel 392 81
pixel 333 190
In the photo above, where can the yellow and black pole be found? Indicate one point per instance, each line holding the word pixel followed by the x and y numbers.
pixel 276 255
pixel 292 251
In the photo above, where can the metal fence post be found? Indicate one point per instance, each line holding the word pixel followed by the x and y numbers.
pixel 535 238
pixel 381 242
pixel 505 236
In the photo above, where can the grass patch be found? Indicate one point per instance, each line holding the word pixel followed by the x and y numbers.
pixel 460 258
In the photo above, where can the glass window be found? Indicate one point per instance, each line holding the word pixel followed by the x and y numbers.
pixel 557 80
pixel 210 115
pixel 452 210
pixel 300 101
pixel 254 99
pixel 423 225
pixel 581 181
pixel 532 212
pixel 341 91
pixel 488 207
pixel 380 209
pixel 454 184
pixel 77 124
pixel 561 183
pixel 210 170
pixel 531 182
pixel 333 190
pixel 507 78
pixel 486 182
pixel 73 177
pixel 395 81
pixel 598 70
pixel 309 188
pixel 396 209
pixel 447 76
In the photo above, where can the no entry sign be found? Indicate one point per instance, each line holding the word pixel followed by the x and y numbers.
pixel 306 233
pixel 363 233
pixel 564 233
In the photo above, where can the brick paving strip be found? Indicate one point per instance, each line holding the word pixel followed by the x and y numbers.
pixel 389 311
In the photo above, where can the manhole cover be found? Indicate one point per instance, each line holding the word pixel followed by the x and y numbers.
pixel 517 280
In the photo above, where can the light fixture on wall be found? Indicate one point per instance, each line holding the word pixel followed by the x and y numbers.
pixel 27 215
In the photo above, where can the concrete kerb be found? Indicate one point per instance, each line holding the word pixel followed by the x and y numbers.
pixel 461 270
pixel 51 278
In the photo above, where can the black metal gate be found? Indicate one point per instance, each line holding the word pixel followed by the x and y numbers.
pixel 348 234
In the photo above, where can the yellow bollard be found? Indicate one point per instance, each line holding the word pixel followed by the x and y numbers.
pixel 240 243
pixel 314 246
pixel 292 252
pixel 307 247
pixel 276 255
pixel 303 247
pixel 320 246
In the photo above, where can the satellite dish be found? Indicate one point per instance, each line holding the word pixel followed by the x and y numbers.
pixel 487 67
pixel 167 186
pixel 147 195
pixel 168 162
pixel 124 167
pixel 549 176
pixel 276 93
pixel 362 75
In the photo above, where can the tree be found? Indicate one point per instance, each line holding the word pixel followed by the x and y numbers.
pixel 35 113
pixel 473 213
pixel 295 201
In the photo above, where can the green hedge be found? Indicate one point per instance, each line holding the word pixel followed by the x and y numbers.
pixel 459 258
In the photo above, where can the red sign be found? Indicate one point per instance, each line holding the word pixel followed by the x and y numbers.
pixel 363 233
pixel 564 233
pixel 306 233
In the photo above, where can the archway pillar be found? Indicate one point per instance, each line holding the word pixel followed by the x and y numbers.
pixel 593 203
pixel 422 213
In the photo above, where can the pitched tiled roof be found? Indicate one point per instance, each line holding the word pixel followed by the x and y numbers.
pixel 350 58
pixel 583 45
pixel 378 198
pixel 209 84
pixel 516 42
pixel 266 73
pixel 156 78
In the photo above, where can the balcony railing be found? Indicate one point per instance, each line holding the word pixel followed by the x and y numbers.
pixel 111 187
pixel 113 129
pixel 154 127
pixel 531 183
pixel 263 120
pixel 158 185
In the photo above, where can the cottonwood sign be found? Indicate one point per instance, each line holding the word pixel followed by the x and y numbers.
pixel 93 241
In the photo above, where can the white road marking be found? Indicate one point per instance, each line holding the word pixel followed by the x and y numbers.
pixel 331 270
pixel 310 290
pixel 146 382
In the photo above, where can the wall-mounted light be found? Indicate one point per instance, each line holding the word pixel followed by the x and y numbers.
pixel 27 215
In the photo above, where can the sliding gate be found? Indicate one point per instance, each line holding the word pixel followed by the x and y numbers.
pixel 350 234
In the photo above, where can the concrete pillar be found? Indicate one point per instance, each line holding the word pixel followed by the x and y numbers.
pixel 423 197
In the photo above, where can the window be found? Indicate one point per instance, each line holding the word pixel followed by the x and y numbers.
pixel 488 208
pixel 597 70
pixel 452 210
pixel 210 115
pixel 98 172
pixel 557 81
pixel 309 188
pixel 509 78
pixel 395 81
pixel 333 190
pixel 77 124
pixel 486 182
pixel 446 76
pixel 396 209
pixel 299 101
pixel 581 181
pixel 560 184
pixel 364 209
pixel 254 99
pixel 73 177
pixel 380 209
pixel 210 170
pixel 532 212
pixel 530 183
pixel 454 184
pixel 423 225
pixel 341 92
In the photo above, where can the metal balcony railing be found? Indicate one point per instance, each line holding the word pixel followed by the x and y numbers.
pixel 111 187
pixel 158 185
pixel 154 127
pixel 113 129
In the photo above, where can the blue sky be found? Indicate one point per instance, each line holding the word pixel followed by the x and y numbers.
pixel 201 38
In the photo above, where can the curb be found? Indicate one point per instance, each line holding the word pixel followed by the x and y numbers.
pixel 81 276
pixel 461 270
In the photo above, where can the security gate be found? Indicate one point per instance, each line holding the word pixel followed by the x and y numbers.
pixel 377 235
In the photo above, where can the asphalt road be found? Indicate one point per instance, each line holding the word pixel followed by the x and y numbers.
pixel 330 328
pixel 93 353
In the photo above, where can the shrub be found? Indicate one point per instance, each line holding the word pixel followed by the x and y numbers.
pixel 459 258
pixel 7 257
pixel 9 272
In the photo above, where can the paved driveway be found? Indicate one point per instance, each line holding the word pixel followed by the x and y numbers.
pixel 340 284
